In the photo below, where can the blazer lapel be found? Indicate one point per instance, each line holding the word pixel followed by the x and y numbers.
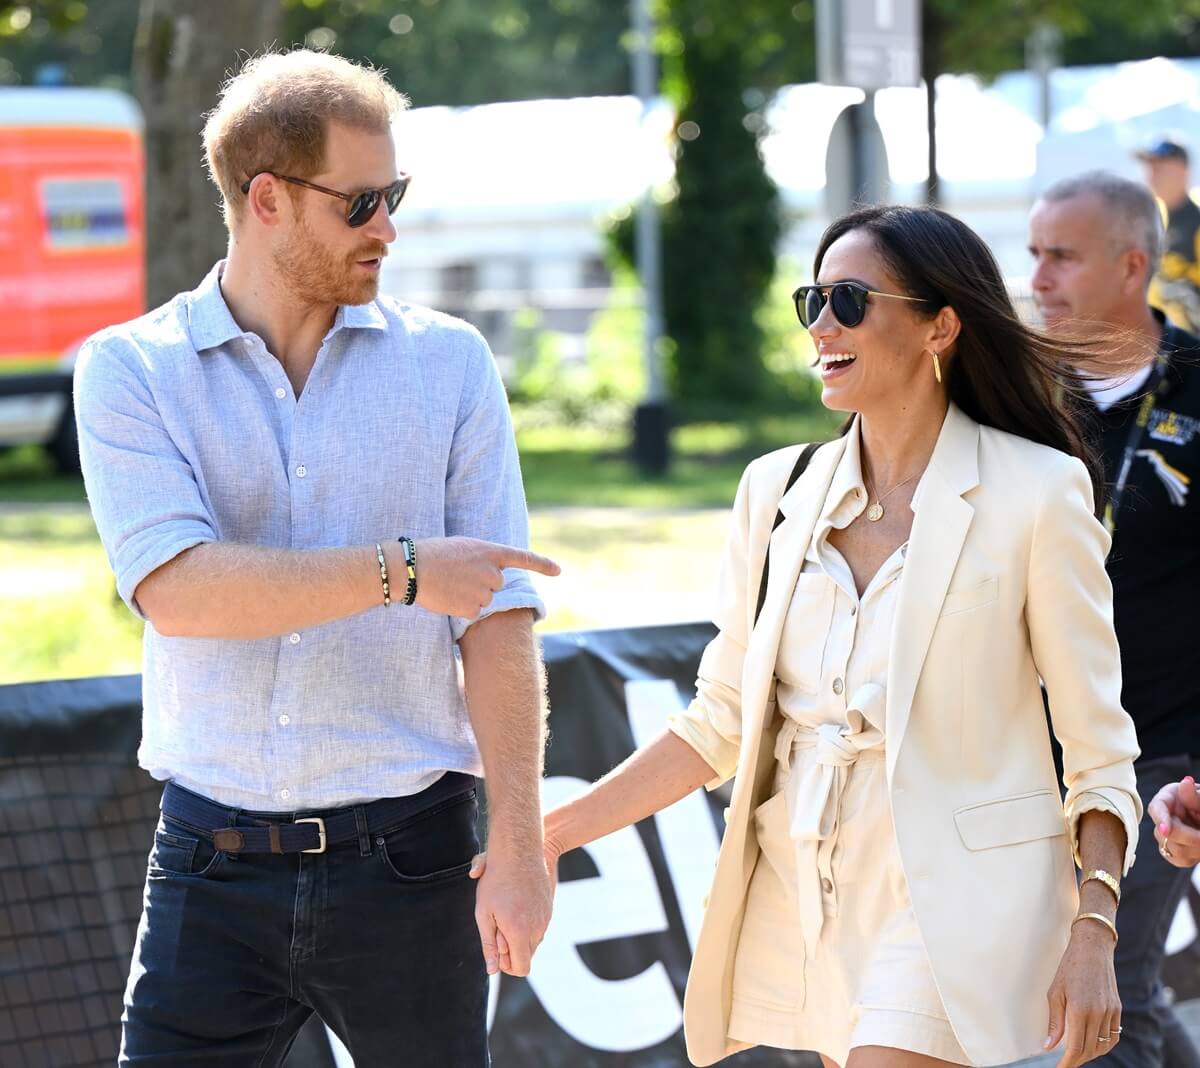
pixel 801 506
pixel 939 529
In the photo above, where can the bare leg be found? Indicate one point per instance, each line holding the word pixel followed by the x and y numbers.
pixel 886 1057
pixel 827 1062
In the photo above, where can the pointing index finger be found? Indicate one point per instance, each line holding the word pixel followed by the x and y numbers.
pixel 508 556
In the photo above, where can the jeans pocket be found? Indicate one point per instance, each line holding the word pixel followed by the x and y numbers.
pixel 178 851
pixel 436 846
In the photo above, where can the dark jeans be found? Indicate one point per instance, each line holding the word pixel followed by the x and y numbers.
pixel 376 935
pixel 1152 1035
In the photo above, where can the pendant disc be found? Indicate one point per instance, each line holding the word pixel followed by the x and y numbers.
pixel 875 512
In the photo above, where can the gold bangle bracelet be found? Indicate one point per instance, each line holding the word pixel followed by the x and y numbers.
pixel 1102 919
pixel 1101 876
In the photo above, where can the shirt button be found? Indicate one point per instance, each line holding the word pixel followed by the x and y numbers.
pixel 838 686
pixel 284 720
pixel 285 794
pixel 301 471
pixel 854 609
pixel 280 393
pixel 827 886
pixel 295 640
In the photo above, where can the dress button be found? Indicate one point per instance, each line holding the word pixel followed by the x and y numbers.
pixel 838 686
pixel 294 639
pixel 280 393
pixel 301 471
pixel 285 794
pixel 284 720
pixel 854 609
pixel 827 886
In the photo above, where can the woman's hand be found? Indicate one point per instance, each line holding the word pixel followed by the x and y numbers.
pixel 550 853
pixel 1175 811
pixel 1083 999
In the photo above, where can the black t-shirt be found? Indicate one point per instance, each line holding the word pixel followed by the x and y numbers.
pixel 1155 559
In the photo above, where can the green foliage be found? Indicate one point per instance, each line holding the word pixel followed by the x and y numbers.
pixel 987 37
pixel 461 52
pixel 90 40
pixel 597 391
pixel 788 351
pixel 720 228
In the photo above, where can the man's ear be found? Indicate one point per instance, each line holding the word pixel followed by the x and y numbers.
pixel 264 200
pixel 1135 267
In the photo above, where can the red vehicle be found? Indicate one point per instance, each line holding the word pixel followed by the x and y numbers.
pixel 71 247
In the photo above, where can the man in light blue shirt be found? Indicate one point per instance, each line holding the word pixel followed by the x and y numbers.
pixel 278 462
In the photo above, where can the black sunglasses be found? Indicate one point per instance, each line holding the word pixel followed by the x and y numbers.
pixel 849 300
pixel 360 207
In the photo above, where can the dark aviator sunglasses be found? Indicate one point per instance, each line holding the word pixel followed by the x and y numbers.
pixel 848 299
pixel 360 207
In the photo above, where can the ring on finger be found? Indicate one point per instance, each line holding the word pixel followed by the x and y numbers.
pixel 1101 1038
pixel 1115 1030
pixel 1165 850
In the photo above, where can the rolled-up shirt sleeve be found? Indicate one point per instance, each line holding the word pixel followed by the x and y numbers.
pixel 712 723
pixel 1069 610
pixel 485 497
pixel 143 492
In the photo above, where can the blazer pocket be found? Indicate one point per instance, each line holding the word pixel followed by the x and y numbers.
pixel 972 597
pixel 1023 818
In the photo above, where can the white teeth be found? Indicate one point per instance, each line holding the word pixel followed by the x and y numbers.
pixel 836 357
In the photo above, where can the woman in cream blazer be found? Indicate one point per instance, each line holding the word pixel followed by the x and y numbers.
pixel 896 884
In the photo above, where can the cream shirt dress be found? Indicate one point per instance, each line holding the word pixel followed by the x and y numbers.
pixel 828 900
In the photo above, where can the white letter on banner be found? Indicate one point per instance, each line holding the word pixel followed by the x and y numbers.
pixel 622 901
pixel 689 839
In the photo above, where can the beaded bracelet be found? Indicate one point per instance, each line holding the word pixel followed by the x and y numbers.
pixel 383 576
pixel 410 561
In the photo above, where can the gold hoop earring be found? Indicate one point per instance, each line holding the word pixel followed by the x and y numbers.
pixel 937 366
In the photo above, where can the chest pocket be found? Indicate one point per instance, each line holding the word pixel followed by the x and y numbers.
pixel 806 632
pixel 972 596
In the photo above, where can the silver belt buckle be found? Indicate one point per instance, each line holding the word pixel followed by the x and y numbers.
pixel 320 831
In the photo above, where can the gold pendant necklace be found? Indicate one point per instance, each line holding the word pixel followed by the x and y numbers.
pixel 875 511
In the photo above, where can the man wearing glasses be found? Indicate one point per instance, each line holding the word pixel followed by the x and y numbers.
pixel 312 496
pixel 1096 240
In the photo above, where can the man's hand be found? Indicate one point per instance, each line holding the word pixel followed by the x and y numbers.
pixel 1175 811
pixel 459 576
pixel 512 906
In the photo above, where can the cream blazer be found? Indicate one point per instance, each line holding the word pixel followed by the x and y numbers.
pixel 1004 583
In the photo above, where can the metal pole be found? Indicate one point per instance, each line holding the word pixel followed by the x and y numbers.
pixel 650 426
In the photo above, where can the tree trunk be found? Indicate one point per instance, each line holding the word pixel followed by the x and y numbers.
pixel 181 55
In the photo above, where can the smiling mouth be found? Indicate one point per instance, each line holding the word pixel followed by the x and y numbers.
pixel 836 362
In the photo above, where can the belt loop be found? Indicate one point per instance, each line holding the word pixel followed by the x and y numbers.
pixel 235 814
pixel 364 835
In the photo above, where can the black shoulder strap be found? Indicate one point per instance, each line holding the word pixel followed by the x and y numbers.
pixel 806 454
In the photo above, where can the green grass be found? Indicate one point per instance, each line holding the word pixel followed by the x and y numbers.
pixel 60 616
pixel 27 474
pixel 563 466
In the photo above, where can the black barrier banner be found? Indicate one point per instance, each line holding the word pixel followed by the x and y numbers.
pixel 606 988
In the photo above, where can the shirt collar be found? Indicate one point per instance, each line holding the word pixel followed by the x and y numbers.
pixel 847 495
pixel 212 323
pixel 209 319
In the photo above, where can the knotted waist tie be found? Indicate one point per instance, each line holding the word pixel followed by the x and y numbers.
pixel 818 762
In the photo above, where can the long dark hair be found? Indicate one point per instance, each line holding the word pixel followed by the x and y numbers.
pixel 1005 374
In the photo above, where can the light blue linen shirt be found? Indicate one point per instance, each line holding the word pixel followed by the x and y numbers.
pixel 190 432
